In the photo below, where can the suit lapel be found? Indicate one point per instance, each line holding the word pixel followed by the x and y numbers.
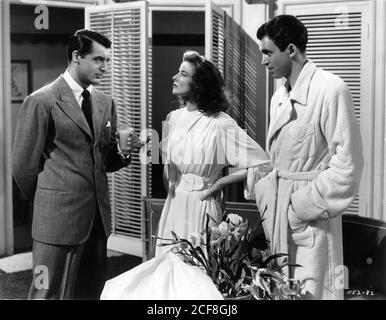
pixel 70 106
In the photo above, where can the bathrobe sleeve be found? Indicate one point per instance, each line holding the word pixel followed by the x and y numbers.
pixel 336 187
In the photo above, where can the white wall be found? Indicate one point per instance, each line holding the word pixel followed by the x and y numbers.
pixel 253 16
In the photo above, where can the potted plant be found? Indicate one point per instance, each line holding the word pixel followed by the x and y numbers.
pixel 226 252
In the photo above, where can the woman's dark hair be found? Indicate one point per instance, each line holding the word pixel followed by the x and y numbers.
pixel 283 30
pixel 82 42
pixel 208 89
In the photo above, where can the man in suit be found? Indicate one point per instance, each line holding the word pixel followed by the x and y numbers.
pixel 64 144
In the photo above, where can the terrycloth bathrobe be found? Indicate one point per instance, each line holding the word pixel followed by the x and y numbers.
pixel 315 147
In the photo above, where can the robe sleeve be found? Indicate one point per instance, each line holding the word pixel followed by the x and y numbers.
pixel 336 187
pixel 254 174
pixel 240 151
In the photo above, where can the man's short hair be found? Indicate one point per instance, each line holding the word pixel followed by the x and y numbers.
pixel 82 42
pixel 283 30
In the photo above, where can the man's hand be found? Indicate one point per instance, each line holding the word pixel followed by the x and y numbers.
pixel 133 141
pixel 128 141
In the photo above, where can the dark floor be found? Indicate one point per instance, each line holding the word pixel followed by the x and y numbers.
pixel 16 285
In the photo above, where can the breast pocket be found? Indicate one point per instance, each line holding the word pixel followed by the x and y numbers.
pixel 301 142
pixel 106 135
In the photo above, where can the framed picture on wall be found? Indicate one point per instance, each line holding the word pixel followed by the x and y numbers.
pixel 20 79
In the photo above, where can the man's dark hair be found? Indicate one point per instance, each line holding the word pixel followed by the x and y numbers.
pixel 283 30
pixel 208 89
pixel 82 42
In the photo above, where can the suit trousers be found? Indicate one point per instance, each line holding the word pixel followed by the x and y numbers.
pixel 70 271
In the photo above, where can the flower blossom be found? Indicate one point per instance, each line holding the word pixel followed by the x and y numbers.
pixel 195 239
pixel 224 228
pixel 235 219
pixel 215 233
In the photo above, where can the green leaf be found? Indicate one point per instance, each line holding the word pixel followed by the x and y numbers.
pixel 174 235
pixel 274 276
pixel 295 265
pixel 272 257
pixel 195 254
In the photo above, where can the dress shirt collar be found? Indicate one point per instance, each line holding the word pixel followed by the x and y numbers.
pixel 75 87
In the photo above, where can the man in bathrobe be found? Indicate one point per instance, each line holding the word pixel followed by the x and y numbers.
pixel 315 147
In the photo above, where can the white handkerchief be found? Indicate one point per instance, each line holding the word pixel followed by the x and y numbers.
pixel 108 124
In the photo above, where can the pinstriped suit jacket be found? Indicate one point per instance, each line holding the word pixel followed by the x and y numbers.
pixel 60 166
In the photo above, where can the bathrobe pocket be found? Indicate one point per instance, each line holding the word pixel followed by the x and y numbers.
pixel 301 142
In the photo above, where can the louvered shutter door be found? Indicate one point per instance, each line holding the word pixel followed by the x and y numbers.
pixel 128 84
pixel 214 35
pixel 254 81
pixel 102 22
pixel 147 117
pixel 245 80
pixel 337 39
pixel 234 69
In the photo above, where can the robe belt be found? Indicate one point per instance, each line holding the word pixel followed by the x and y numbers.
pixel 297 176
pixel 193 182
pixel 287 175
pixel 279 226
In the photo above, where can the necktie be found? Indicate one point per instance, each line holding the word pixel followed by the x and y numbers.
pixel 86 108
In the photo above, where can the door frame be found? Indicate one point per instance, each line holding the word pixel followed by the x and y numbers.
pixel 6 205
pixel 6 197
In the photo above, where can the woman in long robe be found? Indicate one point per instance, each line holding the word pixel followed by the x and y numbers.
pixel 199 141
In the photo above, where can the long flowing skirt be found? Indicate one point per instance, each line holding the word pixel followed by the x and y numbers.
pixel 165 277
